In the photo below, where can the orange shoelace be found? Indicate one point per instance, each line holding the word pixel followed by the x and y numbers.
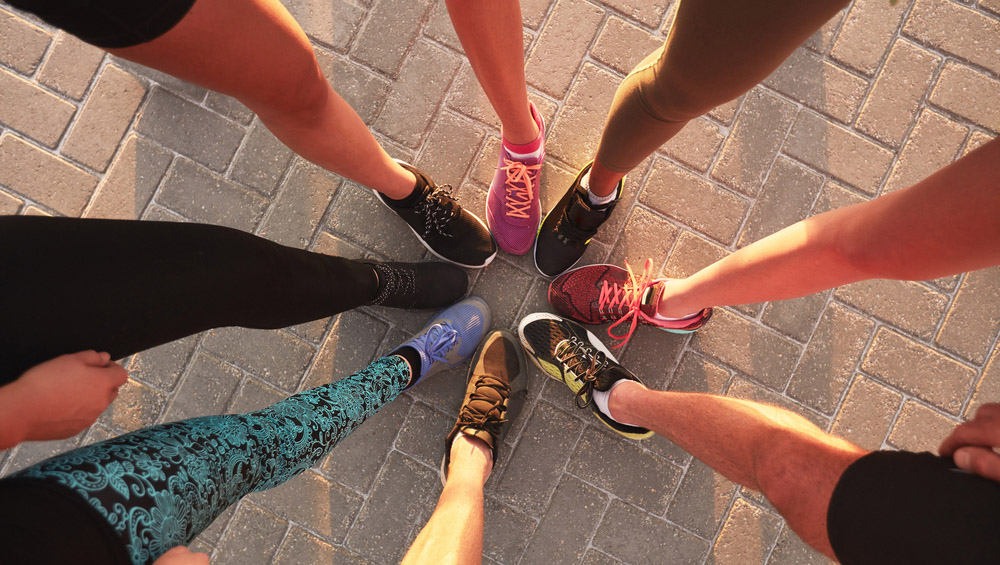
pixel 624 301
pixel 519 181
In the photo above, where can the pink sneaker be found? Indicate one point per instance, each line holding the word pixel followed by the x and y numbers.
pixel 512 208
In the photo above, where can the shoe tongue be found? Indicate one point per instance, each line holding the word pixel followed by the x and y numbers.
pixel 585 216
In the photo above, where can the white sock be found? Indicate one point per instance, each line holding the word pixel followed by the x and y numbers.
pixel 688 317
pixel 601 398
pixel 523 156
pixel 591 197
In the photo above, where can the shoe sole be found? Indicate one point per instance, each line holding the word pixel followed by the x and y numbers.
pixel 599 345
pixel 435 253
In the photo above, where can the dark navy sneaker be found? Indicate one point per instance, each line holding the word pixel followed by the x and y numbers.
pixel 568 228
pixel 445 228
pixel 567 352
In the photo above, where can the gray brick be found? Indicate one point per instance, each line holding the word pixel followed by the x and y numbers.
pixel 205 390
pixel 422 434
pixel 229 107
pixel 622 45
pixel 791 550
pixel 390 30
pixel 195 192
pixel 907 305
pixel 644 235
pixel 756 138
pixel 868 29
pixel 364 90
pixel 32 110
pixel 918 370
pixel 696 144
pixel 189 129
pixel 536 466
pixel 602 459
pixel 130 181
pixel 22 44
pixel 785 199
pixel 959 88
pixel 698 374
pixel 253 395
pixel 866 414
pixel 504 288
pixel 173 84
pixel 302 547
pixel 830 358
pixel 253 536
pixel 649 14
pixel 70 66
pixel 553 61
pixel 694 201
pixel 361 218
pixel 987 389
pixel 137 406
pixel 162 366
pixel 920 428
pixel 439 27
pixel 330 510
pixel 262 161
pixel 574 135
pixel 467 97
pixel 276 356
pixel 330 23
pixel 934 143
pixel 32 452
pixel 970 328
pixel 597 557
pixel 424 78
pixel 401 492
pixel 451 148
pixel 934 24
pixel 576 503
pixel 357 459
pixel 819 84
pixel 647 539
pixel 298 210
pixel 838 152
pixel 821 40
pixel 649 352
pixel 795 317
pixel 43 177
pixel 701 502
pixel 835 196
pixel 506 531
pixel 690 254
pixel 9 204
pixel 897 93
pixel 105 116
pixel 766 356
pixel 747 536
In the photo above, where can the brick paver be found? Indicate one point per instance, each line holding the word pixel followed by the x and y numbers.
pixel 880 97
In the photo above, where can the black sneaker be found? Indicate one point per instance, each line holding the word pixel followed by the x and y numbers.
pixel 443 226
pixel 495 392
pixel 419 285
pixel 567 352
pixel 568 228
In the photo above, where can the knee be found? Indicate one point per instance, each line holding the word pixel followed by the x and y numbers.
pixel 299 91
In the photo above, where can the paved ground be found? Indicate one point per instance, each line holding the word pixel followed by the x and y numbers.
pixel 880 97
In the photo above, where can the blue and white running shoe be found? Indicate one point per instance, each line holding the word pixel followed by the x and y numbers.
pixel 451 337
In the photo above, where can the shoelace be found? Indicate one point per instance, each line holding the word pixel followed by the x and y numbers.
pixel 519 195
pixel 436 210
pixel 624 301
pixel 396 282
pixel 437 341
pixel 480 418
pixel 585 362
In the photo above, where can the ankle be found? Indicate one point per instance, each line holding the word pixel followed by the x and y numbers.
pixel 620 402
pixel 470 459
pixel 671 305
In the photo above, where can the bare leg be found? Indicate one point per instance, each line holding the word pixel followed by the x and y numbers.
pixel 794 463
pixel 948 223
pixel 454 533
pixel 256 52
pixel 490 32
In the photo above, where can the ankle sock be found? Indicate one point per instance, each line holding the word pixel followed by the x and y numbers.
pixel 593 198
pixel 413 358
pixel 601 398
pixel 521 152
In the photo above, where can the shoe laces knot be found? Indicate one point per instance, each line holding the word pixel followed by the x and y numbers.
pixel 623 302
pixel 437 341
pixel 438 208
pixel 520 178
pixel 583 361
pixel 485 409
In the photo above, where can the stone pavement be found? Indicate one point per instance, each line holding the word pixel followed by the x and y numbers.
pixel 880 97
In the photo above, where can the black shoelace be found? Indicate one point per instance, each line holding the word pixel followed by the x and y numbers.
pixel 438 208
pixel 472 416
pixel 585 362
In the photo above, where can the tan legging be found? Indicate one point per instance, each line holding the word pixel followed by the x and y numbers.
pixel 716 51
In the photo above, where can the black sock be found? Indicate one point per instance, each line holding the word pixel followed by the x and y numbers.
pixel 413 358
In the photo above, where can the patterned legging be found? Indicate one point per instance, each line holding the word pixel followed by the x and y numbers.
pixel 161 486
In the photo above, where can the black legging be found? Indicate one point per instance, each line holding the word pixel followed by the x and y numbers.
pixel 122 286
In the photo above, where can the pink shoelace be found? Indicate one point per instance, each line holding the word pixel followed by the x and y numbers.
pixel 519 194
pixel 624 301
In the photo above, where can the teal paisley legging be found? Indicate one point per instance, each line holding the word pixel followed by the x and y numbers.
pixel 161 486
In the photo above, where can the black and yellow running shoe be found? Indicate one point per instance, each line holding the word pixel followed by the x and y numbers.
pixel 567 352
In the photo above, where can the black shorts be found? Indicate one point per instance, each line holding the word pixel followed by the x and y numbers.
pixel 899 507
pixel 109 23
